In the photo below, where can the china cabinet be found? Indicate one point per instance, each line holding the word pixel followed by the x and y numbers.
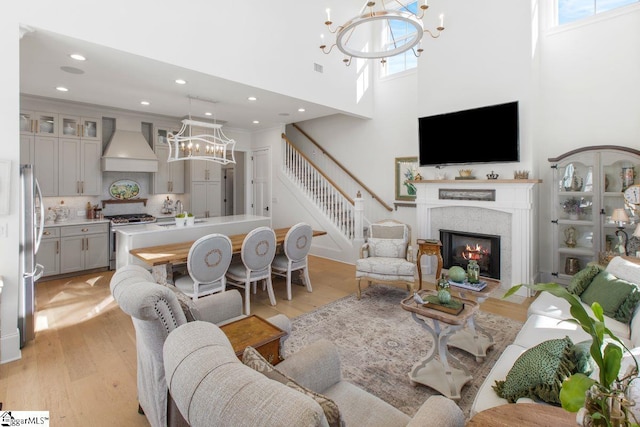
pixel 42 152
pixel 80 127
pixel 588 184
pixel 170 175
pixel 79 167
pixel 37 123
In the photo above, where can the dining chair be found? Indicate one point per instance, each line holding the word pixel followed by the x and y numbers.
pixel 207 263
pixel 257 253
pixel 297 243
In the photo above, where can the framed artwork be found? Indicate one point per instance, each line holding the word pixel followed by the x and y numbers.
pixel 5 187
pixel 406 170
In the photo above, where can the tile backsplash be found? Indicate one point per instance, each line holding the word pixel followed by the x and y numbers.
pixel 154 201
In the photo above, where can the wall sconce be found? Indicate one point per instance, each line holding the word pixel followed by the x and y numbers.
pixel 621 218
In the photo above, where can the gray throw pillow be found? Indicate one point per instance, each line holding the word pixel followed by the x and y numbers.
pixel 186 303
pixel 253 359
pixel 608 291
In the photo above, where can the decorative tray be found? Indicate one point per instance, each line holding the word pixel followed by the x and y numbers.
pixel 455 306
pixel 124 189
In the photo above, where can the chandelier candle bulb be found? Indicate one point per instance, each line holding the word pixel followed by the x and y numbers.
pixel 442 20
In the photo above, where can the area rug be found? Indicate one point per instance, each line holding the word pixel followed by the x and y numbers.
pixel 379 343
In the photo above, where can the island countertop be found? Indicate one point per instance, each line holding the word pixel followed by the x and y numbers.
pixel 164 232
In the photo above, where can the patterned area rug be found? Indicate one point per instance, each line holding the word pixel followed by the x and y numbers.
pixel 379 343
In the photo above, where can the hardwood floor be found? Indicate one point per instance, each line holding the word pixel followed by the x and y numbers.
pixel 82 365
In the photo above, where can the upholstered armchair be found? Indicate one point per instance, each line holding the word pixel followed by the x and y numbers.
pixel 387 257
pixel 212 387
pixel 156 310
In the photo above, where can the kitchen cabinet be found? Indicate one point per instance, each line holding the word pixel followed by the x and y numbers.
pixel 170 176
pixel 79 167
pixel 49 251
pixel 84 247
pixel 591 178
pixel 205 199
pixel 37 123
pixel 204 170
pixel 42 153
pixel 88 128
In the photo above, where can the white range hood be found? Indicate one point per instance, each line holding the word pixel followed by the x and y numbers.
pixel 128 150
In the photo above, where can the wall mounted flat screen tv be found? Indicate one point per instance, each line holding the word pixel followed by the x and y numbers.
pixel 481 135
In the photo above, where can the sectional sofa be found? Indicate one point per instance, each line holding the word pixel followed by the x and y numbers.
pixel 544 322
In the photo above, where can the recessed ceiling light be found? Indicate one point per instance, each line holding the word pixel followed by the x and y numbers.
pixel 78 57
pixel 145 103
pixel 62 89
pixel 301 110
pixel 252 98
pixel 208 114
pixel 256 122
pixel 72 70
pixel 181 81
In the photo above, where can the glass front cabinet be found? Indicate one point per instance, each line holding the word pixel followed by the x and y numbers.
pixel 588 185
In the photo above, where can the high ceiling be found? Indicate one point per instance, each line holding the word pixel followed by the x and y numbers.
pixel 116 79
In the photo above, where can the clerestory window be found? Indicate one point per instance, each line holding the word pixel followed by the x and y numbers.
pixel 397 35
pixel 569 11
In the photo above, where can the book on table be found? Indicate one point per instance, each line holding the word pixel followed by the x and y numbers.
pixel 471 286
pixel 455 306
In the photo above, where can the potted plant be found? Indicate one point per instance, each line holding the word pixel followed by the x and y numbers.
pixel 181 219
pixel 576 208
pixel 602 402
pixel 190 219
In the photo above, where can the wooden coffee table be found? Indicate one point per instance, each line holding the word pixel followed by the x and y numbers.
pixel 254 331
pixel 446 374
pixel 523 415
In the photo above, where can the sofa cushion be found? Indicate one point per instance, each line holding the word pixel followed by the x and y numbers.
pixel 252 358
pixel 538 373
pixel 607 290
pixel 625 312
pixel 388 231
pixel 581 280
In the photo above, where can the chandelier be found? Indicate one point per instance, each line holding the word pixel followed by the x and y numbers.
pixel 401 30
pixel 214 147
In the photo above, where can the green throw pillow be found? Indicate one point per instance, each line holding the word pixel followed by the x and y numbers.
pixel 625 311
pixel 608 291
pixel 538 372
pixel 253 359
pixel 581 280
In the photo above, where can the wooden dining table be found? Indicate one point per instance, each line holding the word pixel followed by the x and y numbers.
pixel 162 258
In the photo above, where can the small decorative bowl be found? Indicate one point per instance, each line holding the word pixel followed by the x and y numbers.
pixel 465 172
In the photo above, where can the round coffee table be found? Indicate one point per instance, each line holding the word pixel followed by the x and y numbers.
pixel 523 415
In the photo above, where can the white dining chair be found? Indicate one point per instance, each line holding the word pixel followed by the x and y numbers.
pixel 257 253
pixel 207 263
pixel 296 246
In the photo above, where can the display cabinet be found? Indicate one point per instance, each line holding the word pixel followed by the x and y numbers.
pixel 81 127
pixel 37 123
pixel 588 184
pixel 170 176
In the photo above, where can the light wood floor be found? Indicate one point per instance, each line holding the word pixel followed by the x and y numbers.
pixel 82 365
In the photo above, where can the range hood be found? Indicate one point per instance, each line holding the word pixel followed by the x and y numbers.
pixel 128 150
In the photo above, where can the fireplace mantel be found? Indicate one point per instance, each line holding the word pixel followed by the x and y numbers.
pixel 514 197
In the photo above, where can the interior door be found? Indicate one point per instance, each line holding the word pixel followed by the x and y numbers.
pixel 261 160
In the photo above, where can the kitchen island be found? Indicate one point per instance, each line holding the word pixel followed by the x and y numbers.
pixel 162 233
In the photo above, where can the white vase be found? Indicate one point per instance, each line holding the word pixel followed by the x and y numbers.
pixel 191 220
pixel 574 216
pixel 180 222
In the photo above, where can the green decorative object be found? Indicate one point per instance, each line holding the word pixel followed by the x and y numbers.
pixel 443 283
pixel 473 271
pixel 457 274
pixel 444 296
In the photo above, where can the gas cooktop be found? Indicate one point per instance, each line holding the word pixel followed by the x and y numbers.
pixel 124 219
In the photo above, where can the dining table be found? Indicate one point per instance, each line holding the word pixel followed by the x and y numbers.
pixel 162 258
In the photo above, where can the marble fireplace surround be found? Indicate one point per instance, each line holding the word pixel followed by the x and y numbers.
pixel 506 209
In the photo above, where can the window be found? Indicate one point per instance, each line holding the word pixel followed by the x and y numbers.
pixel 575 10
pixel 396 35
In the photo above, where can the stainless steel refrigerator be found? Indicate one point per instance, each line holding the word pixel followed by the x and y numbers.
pixel 31 227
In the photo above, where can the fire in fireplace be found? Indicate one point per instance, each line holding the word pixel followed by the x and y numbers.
pixel 459 247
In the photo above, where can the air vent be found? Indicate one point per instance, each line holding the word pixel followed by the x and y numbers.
pixel 317 67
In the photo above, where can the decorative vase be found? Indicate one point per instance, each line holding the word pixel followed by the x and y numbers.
pixel 570 237
pixel 191 220
pixel 444 296
pixel 457 274
pixel 443 283
pixel 181 221
pixel 473 271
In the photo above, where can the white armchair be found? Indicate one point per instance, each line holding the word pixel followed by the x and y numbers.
pixel 387 256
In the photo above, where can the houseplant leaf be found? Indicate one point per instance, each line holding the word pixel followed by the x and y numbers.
pixel 572 393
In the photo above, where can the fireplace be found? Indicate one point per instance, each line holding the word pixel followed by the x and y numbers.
pixel 458 247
